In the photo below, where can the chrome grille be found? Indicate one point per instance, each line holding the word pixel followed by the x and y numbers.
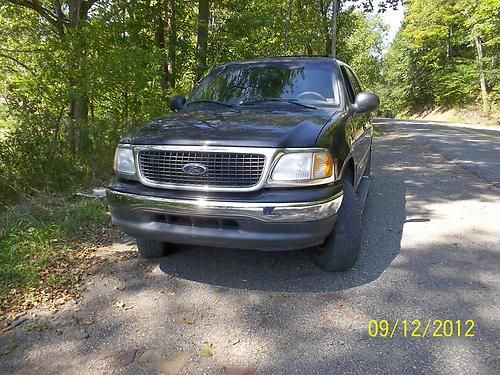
pixel 238 170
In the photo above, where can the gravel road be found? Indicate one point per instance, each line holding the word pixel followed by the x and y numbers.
pixel 431 250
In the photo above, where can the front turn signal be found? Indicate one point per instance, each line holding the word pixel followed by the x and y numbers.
pixel 322 165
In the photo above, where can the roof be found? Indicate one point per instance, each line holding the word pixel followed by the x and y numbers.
pixel 270 59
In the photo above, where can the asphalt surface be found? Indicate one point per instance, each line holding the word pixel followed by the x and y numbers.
pixel 430 251
pixel 476 149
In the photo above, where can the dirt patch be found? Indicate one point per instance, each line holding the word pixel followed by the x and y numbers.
pixel 467 115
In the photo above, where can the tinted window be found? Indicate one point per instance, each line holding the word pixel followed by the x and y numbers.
pixel 239 83
pixel 349 88
pixel 354 81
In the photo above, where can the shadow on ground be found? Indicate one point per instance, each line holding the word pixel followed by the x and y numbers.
pixel 429 252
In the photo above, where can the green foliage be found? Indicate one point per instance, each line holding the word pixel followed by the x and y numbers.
pixel 33 239
pixel 434 59
pixel 363 48
pixel 73 86
pixel 6 122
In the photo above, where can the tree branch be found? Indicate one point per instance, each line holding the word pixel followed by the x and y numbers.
pixel 17 61
pixel 23 50
pixel 90 3
pixel 44 12
pixel 58 9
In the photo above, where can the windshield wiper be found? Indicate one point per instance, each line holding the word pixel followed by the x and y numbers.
pixel 210 101
pixel 291 101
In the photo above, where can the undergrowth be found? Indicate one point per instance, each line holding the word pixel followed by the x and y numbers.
pixel 43 246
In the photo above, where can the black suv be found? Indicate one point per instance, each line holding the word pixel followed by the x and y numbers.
pixel 267 154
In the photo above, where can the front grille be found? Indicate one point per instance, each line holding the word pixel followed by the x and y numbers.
pixel 223 169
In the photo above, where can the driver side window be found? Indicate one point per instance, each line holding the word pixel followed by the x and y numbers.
pixel 352 83
pixel 350 91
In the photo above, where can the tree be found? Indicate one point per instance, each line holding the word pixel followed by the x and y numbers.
pixel 202 37
pixel 287 25
pixel 334 27
pixel 77 74
pixel 449 50
pixel 68 26
pixel 166 29
pixel 483 23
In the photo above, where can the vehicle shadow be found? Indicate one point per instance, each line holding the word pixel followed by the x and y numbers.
pixel 383 219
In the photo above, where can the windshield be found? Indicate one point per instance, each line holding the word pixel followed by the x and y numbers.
pixel 254 83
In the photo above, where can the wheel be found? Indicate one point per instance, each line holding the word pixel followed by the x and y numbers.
pixel 340 250
pixel 151 248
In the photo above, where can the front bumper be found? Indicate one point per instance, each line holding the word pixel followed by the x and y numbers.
pixel 235 224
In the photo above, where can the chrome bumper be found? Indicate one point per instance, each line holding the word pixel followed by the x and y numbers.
pixel 267 212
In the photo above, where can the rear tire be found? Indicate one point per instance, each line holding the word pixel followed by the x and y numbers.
pixel 151 248
pixel 341 249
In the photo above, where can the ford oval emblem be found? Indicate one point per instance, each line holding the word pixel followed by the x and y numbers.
pixel 194 169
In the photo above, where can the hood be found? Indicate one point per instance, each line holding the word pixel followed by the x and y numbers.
pixel 242 127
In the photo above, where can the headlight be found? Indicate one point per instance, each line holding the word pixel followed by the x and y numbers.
pixel 303 166
pixel 124 161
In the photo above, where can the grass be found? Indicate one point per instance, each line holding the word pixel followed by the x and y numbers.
pixel 41 243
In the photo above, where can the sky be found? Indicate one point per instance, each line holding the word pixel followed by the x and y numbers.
pixel 393 18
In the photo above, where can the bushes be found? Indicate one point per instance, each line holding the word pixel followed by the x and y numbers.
pixel 37 157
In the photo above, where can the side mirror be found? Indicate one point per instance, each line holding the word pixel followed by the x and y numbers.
pixel 177 102
pixel 366 102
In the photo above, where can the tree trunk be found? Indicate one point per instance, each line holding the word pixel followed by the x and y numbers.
pixel 325 24
pixel 334 27
pixel 160 43
pixel 79 104
pixel 165 27
pixel 202 40
pixel 448 47
pixel 482 79
pixel 287 25
pixel 172 41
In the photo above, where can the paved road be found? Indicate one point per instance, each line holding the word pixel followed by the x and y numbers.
pixel 431 250
pixel 476 149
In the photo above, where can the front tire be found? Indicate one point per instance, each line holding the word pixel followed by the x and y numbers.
pixel 341 249
pixel 151 248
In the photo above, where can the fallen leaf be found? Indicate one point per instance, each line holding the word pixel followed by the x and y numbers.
pixel 89 322
pixel 260 350
pixel 206 350
pixel 168 293
pixel 188 321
